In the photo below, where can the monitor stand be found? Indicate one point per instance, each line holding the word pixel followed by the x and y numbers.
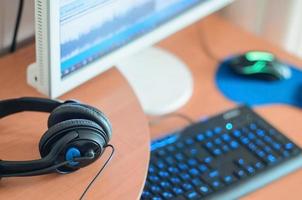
pixel 161 81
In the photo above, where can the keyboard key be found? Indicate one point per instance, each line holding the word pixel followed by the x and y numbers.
pixel 194 172
pixel 161 152
pixel 251 136
pixel 218 141
pixel 268 149
pixel 271 159
pixel 209 134
pixel 185 176
pixel 259 165
pixel 168 195
pixel 240 162
pixel 260 133
pixel 146 194
pixel 229 179
pixel 277 146
pixel 253 126
pixel 183 166
pixel 261 154
pixel 203 168
pixel 237 133
pixel 200 137
pixel 217 152
pixel 151 169
pixel 250 169
pixel 179 157
pixel 178 191
pixel 213 174
pixel 192 195
pixel 208 160
pixel 180 145
pixel 217 130
pixel 165 184
pixel 160 165
pixel 171 148
pixel 234 144
pixel 175 180
pixel 163 174
pixel 209 145
pixel 173 170
pixel 155 189
pixel 169 160
pixel 157 198
pixel 192 162
pixel 197 182
pixel 217 184
pixel 245 140
pixel 189 141
pixel 225 148
pixel 204 189
pixel 153 178
pixel 187 186
pixel 240 174
pixel 193 151
pixel 226 137
pixel 289 146
pixel 252 146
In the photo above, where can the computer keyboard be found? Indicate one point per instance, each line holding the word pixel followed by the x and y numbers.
pixel 224 157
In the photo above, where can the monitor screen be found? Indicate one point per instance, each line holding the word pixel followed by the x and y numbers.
pixel 90 29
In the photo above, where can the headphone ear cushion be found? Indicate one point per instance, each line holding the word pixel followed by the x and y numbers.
pixel 80 111
pixel 59 130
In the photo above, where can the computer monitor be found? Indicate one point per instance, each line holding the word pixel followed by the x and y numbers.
pixel 77 40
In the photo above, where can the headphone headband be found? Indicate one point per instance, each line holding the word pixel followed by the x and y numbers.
pixel 12 106
pixel 75 140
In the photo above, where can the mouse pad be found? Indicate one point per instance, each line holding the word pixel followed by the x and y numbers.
pixel 255 92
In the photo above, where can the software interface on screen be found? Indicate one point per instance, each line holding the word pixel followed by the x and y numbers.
pixel 90 29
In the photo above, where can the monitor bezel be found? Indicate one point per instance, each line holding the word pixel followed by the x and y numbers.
pixel 58 85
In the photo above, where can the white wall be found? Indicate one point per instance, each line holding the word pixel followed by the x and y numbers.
pixel 279 21
pixel 8 14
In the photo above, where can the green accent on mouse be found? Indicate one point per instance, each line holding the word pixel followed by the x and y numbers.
pixel 259 56
pixel 255 68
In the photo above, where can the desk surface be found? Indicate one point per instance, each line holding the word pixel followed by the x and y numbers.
pixel 225 39
pixel 125 174
pixel 123 178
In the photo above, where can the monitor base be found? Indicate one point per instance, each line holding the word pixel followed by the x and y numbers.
pixel 161 81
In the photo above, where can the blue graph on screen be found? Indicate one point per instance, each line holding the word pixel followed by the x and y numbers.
pixel 91 29
pixel 107 29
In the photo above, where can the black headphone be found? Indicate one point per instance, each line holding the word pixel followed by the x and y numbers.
pixel 76 137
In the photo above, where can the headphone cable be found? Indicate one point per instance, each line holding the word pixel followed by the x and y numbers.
pixel 99 172
pixel 159 119
pixel 46 170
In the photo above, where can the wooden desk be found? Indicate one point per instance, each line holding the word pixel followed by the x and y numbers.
pixel 224 39
pixel 20 134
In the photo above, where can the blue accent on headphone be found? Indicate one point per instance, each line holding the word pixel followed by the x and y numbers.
pixel 72 153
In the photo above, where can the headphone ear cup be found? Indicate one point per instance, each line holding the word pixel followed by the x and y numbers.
pixel 80 111
pixel 59 130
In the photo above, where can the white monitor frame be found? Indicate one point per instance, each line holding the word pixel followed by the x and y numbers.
pixel 45 74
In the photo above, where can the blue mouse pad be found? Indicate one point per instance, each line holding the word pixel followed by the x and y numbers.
pixel 255 92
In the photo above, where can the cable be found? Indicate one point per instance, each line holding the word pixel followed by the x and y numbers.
pixel 98 174
pixel 179 115
pixel 17 26
pixel 203 43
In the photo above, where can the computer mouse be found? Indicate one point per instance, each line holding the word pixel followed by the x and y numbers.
pixel 259 65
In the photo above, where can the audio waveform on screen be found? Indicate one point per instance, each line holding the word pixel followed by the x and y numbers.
pixel 107 29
